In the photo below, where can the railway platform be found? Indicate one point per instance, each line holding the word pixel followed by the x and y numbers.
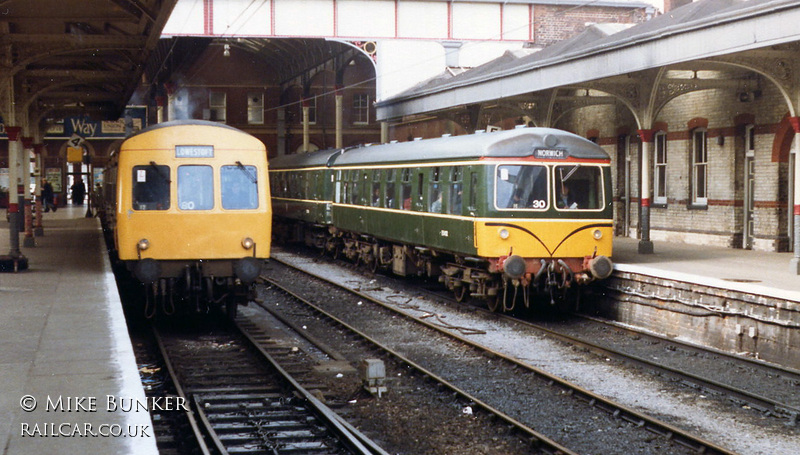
pixel 754 272
pixel 737 301
pixel 69 382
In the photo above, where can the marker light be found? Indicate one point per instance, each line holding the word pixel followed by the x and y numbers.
pixel 597 234
pixel 503 233
pixel 248 243
pixel 143 244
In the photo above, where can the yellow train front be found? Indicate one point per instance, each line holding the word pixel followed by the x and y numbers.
pixel 190 214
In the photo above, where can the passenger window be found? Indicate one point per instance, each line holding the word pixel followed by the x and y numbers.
pixel 390 194
pixel 195 187
pixel 521 187
pixel 151 187
pixel 473 191
pixel 454 207
pixel 239 186
pixel 406 189
pixel 354 189
pixel 435 192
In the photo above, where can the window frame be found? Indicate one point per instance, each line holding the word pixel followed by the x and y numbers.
pixel 360 110
pixel 699 137
pixel 217 108
pixel 255 108
pixel 660 172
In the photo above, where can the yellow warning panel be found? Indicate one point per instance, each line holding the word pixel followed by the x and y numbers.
pixel 74 155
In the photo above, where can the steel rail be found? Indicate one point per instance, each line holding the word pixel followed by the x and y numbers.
pixel 651 424
pixel 347 435
pixel 754 400
pixel 356 440
pixel 535 438
pixel 179 391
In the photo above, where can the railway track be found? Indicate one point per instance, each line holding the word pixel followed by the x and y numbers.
pixel 514 388
pixel 768 389
pixel 244 402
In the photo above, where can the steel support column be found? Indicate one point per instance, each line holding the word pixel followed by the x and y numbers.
pixel 38 149
pixel 339 116
pixel 27 146
pixel 794 264
pixel 14 148
pixel 645 245
pixel 306 126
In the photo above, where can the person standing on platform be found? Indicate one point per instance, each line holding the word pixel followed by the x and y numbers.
pixel 78 192
pixel 47 196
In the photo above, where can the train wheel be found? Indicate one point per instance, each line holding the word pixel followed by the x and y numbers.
pixel 460 293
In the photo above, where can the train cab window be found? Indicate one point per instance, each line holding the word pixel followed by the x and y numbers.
pixel 195 187
pixel 578 187
pixel 151 187
pixel 521 187
pixel 239 187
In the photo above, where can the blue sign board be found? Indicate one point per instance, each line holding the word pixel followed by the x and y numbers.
pixel 133 119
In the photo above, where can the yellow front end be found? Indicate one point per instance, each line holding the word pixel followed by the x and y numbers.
pixel 172 235
pixel 543 238
pixel 171 232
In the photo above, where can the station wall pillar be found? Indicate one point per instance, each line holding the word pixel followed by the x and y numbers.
pixel 27 148
pixel 339 117
pixel 648 138
pixel 794 264
pixel 14 149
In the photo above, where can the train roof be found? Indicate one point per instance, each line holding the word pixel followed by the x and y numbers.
pixel 181 123
pixel 517 143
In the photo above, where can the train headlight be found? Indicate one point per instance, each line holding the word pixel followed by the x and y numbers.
pixel 597 234
pixel 143 245
pixel 248 243
pixel 504 233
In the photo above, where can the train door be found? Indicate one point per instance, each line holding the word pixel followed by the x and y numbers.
pixel 749 187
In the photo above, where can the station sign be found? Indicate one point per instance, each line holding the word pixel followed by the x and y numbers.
pixel 134 119
pixel 550 154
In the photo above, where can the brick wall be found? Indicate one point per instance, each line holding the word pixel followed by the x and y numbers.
pixel 721 221
pixel 554 22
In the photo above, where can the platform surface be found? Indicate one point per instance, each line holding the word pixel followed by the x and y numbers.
pixel 66 349
pixel 754 272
